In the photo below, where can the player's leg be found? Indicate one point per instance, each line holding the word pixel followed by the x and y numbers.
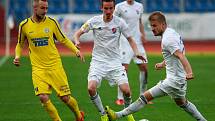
pixel 95 98
pixel 143 75
pixel 120 97
pixel 143 78
pixel 126 93
pixel 60 84
pixel 42 90
pixel 73 105
pixel 127 98
pixel 122 80
pixel 132 108
pixel 49 107
pixel 190 108
pixel 148 95
pixel 178 93
pixel 126 53
pixel 96 73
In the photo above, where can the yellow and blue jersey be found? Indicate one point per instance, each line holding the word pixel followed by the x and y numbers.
pixel 41 40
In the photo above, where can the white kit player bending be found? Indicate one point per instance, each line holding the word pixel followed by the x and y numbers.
pixel 106 61
pixel 132 11
pixel 178 71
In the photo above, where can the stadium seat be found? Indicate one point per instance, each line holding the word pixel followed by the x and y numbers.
pixel 58 6
pixel 93 6
pixel 199 6
pixel 173 6
pixel 80 6
pixel 167 6
pixel 20 14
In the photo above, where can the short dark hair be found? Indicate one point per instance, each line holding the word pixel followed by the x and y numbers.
pixel 157 16
pixel 107 1
pixel 35 2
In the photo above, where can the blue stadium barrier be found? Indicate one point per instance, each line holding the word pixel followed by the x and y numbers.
pixel 22 8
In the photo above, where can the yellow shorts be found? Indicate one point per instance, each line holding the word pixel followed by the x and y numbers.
pixel 46 79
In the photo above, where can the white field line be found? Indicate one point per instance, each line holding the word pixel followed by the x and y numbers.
pixel 3 60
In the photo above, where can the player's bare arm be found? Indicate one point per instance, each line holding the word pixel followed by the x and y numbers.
pixel 134 48
pixel 77 36
pixel 143 39
pixel 159 66
pixel 185 63
pixel 80 55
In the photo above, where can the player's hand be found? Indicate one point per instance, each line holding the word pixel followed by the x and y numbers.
pixel 77 44
pixel 79 54
pixel 189 76
pixel 16 62
pixel 159 66
pixel 138 55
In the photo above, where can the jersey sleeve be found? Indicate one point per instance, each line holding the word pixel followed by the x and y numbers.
pixel 172 45
pixel 87 26
pixel 63 39
pixel 125 29
pixel 21 39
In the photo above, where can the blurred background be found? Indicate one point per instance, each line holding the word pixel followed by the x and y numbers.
pixel 193 19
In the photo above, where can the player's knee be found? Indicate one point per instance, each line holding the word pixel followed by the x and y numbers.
pixel 92 90
pixel 126 93
pixel 43 98
pixel 181 102
pixel 65 98
pixel 143 67
pixel 147 95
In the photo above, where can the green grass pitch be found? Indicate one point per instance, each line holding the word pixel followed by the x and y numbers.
pixel 18 103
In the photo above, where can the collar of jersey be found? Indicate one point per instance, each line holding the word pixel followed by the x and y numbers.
pixel 37 22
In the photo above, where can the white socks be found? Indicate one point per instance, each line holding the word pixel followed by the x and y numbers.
pixel 134 107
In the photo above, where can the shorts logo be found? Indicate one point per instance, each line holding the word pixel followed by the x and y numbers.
pixel 64 89
pixel 114 30
pixel 123 53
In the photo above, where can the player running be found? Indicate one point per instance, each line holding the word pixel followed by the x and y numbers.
pixel 106 61
pixel 178 71
pixel 47 69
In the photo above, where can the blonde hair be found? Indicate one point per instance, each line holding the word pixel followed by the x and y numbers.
pixel 157 16
pixel 36 2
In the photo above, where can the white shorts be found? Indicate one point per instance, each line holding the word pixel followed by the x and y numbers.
pixel 127 53
pixel 165 87
pixel 115 76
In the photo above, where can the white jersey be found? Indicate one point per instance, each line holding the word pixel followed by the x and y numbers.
pixel 172 41
pixel 131 14
pixel 106 39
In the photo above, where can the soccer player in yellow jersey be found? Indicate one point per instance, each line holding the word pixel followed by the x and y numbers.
pixel 47 71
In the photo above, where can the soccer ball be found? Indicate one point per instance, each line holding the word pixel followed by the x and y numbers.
pixel 144 120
